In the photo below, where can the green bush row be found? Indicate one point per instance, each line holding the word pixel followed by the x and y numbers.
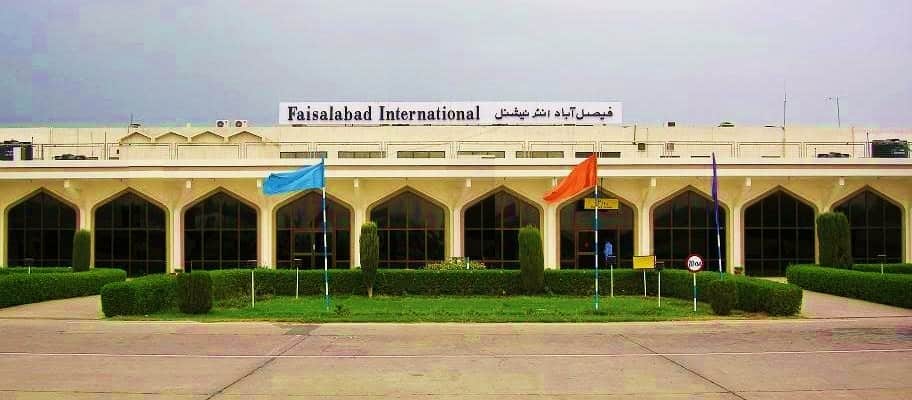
pixel 139 296
pixel 754 295
pixel 23 288
pixel 892 289
pixel 887 268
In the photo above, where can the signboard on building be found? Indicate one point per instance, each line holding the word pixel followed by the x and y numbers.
pixel 589 203
pixel 450 113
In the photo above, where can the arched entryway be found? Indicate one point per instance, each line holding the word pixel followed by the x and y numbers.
pixel 299 233
pixel 577 233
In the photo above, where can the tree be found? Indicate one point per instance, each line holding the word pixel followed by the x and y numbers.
pixel 834 240
pixel 82 250
pixel 531 260
pixel 370 255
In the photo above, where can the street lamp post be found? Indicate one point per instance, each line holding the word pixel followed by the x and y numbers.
pixel 838 118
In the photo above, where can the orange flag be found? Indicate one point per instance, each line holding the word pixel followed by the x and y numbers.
pixel 581 178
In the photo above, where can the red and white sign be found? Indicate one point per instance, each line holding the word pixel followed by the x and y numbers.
pixel 694 263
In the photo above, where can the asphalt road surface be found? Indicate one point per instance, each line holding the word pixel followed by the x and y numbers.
pixel 863 358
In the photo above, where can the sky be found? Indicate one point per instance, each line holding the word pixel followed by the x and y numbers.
pixel 696 62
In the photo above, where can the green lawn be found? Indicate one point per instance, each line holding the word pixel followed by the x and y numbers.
pixel 449 309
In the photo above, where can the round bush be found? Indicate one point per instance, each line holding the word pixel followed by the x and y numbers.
pixel 722 295
pixel 194 292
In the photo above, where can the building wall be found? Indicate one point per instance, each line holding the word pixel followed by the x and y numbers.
pixel 454 195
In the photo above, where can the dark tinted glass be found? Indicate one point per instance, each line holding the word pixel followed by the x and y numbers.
pixel 411 235
pixel 135 239
pixel 778 231
pixel 578 247
pixel 40 232
pixel 876 227
pixel 492 237
pixel 301 235
pixel 691 230
pixel 221 233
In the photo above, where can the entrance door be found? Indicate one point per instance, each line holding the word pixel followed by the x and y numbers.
pixel 307 249
pixel 587 250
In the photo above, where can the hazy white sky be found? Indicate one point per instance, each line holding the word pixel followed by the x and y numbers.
pixel 696 62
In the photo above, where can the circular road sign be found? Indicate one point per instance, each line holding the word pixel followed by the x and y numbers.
pixel 694 263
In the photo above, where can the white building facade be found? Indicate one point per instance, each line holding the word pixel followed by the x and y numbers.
pixel 166 198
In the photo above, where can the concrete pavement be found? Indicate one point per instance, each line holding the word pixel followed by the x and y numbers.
pixel 848 349
pixel 867 358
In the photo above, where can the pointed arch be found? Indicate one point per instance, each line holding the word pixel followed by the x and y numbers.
pixel 131 233
pixel 298 222
pixel 576 242
pixel 220 231
pixel 876 226
pixel 171 137
pixel 207 137
pixel 244 137
pixel 491 224
pixel 412 229
pixel 136 137
pixel 683 223
pixel 779 230
pixel 39 230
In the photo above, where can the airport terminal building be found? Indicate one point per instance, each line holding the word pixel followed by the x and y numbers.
pixel 159 199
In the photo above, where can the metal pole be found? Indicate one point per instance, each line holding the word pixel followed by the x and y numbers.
pixel 660 288
pixel 695 291
pixel 325 253
pixel 596 246
pixel 644 283
pixel 838 117
pixel 612 276
pixel 297 279
pixel 252 290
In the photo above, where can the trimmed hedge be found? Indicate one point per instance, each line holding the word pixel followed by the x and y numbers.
pixel 892 289
pixel 723 295
pixel 194 292
pixel 17 287
pixel 82 250
pixel 139 296
pixel 834 242
pixel 887 268
pixel 754 295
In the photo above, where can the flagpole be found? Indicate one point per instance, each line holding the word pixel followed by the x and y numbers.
pixel 715 193
pixel 325 253
pixel 596 234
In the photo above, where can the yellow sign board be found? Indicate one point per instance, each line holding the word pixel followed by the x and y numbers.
pixel 644 262
pixel 603 204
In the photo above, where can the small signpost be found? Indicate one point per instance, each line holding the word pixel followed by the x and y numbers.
pixel 644 263
pixel 590 203
pixel 694 265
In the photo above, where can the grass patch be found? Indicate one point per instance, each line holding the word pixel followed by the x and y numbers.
pixel 447 309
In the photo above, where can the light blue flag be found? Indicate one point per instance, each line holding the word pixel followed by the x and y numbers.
pixel 305 178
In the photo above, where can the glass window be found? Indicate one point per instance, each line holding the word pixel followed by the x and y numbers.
pixel 130 235
pixel 685 225
pixel 414 231
pixel 491 228
pixel 578 234
pixel 220 232
pixel 40 232
pixel 778 231
pixel 876 227
pixel 299 235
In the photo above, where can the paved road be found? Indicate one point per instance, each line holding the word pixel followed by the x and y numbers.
pixel 863 358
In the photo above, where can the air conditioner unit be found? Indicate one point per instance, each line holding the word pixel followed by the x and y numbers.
pixel 240 123
pixel 641 146
pixel 222 123
pixel 671 124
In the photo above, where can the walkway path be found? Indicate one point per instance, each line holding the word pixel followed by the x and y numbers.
pixel 821 305
pixel 74 309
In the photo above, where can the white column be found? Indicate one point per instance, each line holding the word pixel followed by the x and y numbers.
pixel 266 235
pixel 550 231
pixel 358 218
pixel 735 247
pixel 175 232
pixel 455 229
pixel 907 234
pixel 644 230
